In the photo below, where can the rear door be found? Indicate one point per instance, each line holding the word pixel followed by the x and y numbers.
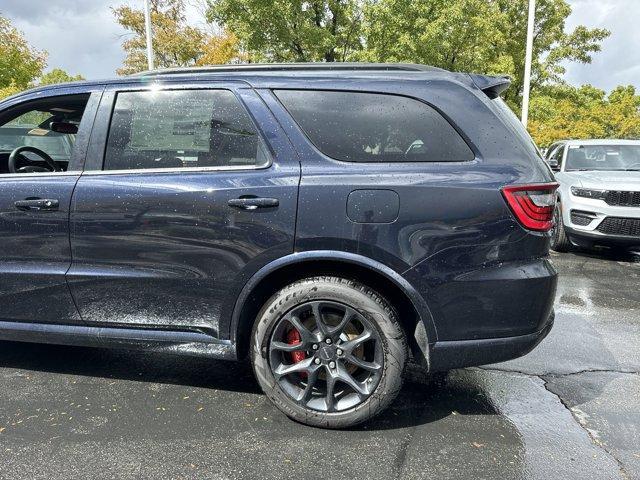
pixel 182 199
pixel 34 201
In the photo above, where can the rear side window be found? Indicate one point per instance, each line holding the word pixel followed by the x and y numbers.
pixel 371 127
pixel 513 123
pixel 182 129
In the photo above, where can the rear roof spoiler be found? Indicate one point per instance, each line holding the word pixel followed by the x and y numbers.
pixel 493 86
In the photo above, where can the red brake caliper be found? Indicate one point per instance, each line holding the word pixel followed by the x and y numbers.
pixel 293 338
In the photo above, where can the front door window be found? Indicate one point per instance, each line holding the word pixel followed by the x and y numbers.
pixel 39 136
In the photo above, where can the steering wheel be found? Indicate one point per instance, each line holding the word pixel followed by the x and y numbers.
pixel 17 154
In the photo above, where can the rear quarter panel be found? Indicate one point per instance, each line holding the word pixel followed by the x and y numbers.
pixel 454 237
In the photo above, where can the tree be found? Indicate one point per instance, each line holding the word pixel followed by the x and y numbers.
pixel 57 75
pixel 553 47
pixel 175 43
pixel 223 48
pixel 560 112
pixel 8 91
pixel 293 30
pixel 20 63
pixel 463 35
pixel 479 35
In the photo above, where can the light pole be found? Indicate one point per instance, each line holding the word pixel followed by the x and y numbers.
pixel 527 63
pixel 147 24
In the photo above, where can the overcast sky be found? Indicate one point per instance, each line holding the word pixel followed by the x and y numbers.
pixel 81 36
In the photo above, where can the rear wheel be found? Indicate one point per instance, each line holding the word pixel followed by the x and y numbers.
pixel 559 240
pixel 329 352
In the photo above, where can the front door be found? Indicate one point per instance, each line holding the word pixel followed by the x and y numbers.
pixel 42 142
pixel 186 203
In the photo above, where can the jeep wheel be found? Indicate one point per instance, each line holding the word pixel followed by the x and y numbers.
pixel 559 240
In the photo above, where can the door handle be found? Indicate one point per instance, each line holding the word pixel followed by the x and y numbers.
pixel 37 204
pixel 253 203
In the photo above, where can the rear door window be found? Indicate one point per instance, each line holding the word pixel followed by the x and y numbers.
pixel 182 129
pixel 372 127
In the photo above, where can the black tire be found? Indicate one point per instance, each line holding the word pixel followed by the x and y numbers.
pixel 367 309
pixel 559 240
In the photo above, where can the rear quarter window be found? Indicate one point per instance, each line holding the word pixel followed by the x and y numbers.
pixel 371 127
pixel 513 123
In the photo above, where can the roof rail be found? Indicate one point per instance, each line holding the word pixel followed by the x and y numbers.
pixel 295 67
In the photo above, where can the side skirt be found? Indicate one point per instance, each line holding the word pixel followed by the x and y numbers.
pixel 165 341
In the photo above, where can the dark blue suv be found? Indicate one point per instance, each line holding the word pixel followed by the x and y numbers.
pixel 330 221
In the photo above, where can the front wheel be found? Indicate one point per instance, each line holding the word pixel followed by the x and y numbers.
pixel 329 352
pixel 559 240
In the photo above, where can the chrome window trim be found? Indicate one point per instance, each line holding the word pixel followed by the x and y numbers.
pixel 40 174
pixel 229 168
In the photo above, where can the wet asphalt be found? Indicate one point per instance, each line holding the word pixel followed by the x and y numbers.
pixel 568 410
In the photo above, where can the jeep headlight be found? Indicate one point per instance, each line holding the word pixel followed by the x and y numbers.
pixel 589 193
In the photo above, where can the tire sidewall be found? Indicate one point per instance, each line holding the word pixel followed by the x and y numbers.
pixel 366 302
pixel 559 240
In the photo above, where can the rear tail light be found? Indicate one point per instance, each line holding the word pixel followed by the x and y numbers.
pixel 532 205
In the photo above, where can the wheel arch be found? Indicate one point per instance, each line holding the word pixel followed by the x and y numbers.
pixel 412 309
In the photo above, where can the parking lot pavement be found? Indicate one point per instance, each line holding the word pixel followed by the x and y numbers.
pixel 570 409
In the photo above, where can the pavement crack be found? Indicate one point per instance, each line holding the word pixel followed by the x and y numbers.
pixel 558 375
pixel 591 370
pixel 594 439
pixel 401 457
pixel 505 370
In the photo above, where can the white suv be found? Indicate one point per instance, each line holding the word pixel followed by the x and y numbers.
pixel 599 194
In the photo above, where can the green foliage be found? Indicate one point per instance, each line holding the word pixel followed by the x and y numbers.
pixel 223 48
pixel 175 43
pixel 8 91
pixel 465 35
pixel 57 75
pixel 478 35
pixel 486 36
pixel 293 30
pixel 561 112
pixel 20 64
pixel 552 45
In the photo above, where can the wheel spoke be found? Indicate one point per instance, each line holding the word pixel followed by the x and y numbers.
pixel 305 334
pixel 317 313
pixel 346 318
pixel 302 366
pixel 350 345
pixel 345 377
pixel 369 366
pixel 287 347
pixel 311 381
pixel 329 399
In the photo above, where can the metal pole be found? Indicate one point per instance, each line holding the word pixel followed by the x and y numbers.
pixel 147 22
pixel 527 63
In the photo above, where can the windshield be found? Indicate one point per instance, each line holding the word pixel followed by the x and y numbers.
pixel 603 157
